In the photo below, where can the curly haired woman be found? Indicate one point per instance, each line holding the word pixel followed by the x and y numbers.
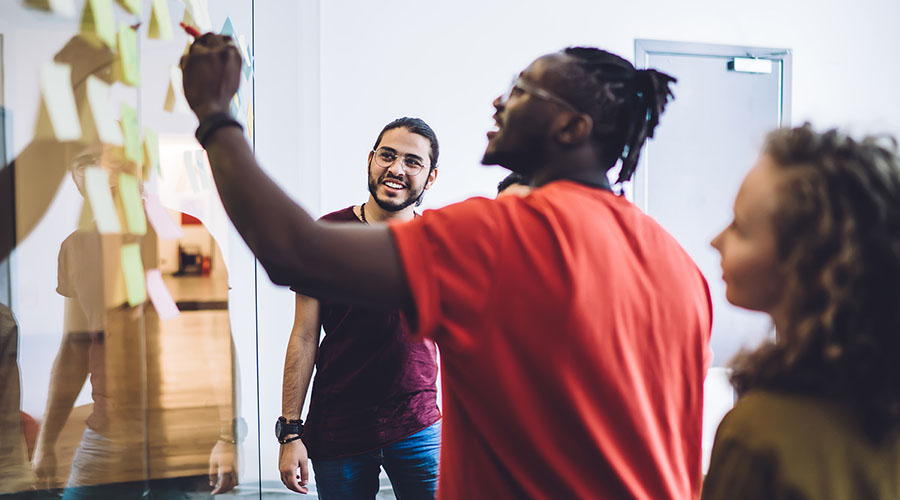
pixel 815 243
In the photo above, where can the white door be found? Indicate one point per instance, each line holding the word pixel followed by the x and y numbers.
pixel 726 99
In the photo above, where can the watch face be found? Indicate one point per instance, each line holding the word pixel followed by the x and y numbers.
pixel 278 429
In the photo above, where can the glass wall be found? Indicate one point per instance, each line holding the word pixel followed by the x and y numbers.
pixel 127 303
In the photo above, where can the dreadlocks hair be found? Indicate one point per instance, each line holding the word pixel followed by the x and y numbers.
pixel 624 103
pixel 837 234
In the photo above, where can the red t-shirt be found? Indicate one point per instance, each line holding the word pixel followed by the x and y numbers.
pixel 574 339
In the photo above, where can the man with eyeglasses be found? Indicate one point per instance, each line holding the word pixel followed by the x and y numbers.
pixel 374 400
pixel 574 331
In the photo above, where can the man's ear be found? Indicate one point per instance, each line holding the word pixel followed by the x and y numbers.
pixel 432 175
pixel 574 129
pixel 369 160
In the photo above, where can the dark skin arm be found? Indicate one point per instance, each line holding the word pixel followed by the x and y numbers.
pixel 342 261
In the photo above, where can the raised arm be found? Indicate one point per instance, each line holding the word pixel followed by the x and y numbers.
pixel 354 264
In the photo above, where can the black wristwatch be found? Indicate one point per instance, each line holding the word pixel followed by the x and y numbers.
pixel 285 427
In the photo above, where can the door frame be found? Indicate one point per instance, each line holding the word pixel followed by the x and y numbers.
pixel 644 48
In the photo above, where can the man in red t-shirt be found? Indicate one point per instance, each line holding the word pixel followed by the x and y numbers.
pixel 573 329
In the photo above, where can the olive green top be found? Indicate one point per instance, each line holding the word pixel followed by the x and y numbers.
pixel 777 446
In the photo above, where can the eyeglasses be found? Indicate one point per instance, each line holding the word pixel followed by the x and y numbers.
pixel 385 157
pixel 522 85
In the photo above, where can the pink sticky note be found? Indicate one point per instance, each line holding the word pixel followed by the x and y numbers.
pixel 159 218
pixel 160 296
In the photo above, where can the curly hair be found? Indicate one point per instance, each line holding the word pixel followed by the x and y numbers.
pixel 837 234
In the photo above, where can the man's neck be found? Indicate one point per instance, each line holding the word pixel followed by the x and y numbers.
pixel 374 213
pixel 579 166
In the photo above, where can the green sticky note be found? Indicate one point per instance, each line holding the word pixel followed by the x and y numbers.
pixel 128 69
pixel 151 152
pixel 133 268
pixel 133 6
pixel 97 18
pixel 131 134
pixel 130 192
pixel 96 183
pixel 160 21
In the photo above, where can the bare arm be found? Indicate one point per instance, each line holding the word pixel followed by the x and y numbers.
pixel 301 356
pixel 70 369
pixel 355 264
pixel 298 367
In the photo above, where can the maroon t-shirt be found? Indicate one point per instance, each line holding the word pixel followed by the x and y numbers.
pixel 374 385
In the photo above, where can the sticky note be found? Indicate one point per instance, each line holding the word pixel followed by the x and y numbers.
pixel 131 133
pixel 190 166
pixel 203 168
pixel 62 7
pixel 97 18
pixel 162 223
pixel 133 6
pixel 96 182
pixel 196 13
pixel 247 66
pixel 250 119
pixel 160 21
pixel 227 28
pixel 59 115
pixel 130 194
pixel 151 153
pixel 100 113
pixel 160 296
pixel 175 100
pixel 128 68
pixel 133 268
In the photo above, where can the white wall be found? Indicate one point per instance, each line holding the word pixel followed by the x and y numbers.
pixel 371 62
pixel 446 61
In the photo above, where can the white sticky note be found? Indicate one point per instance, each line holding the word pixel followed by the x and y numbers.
pixel 96 181
pixel 203 168
pixel 199 13
pixel 101 112
pixel 160 296
pixel 159 218
pixel 247 66
pixel 56 89
pixel 175 100
pixel 190 167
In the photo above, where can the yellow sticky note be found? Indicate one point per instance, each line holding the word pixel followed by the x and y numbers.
pixel 96 182
pixel 151 153
pixel 133 268
pixel 133 6
pixel 128 68
pixel 97 18
pixel 100 114
pixel 250 119
pixel 63 7
pixel 160 21
pixel 130 193
pixel 59 115
pixel 131 133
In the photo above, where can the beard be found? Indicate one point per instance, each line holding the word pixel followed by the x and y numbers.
pixel 392 204
pixel 522 158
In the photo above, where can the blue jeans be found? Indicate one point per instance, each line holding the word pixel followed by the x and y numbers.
pixel 411 464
